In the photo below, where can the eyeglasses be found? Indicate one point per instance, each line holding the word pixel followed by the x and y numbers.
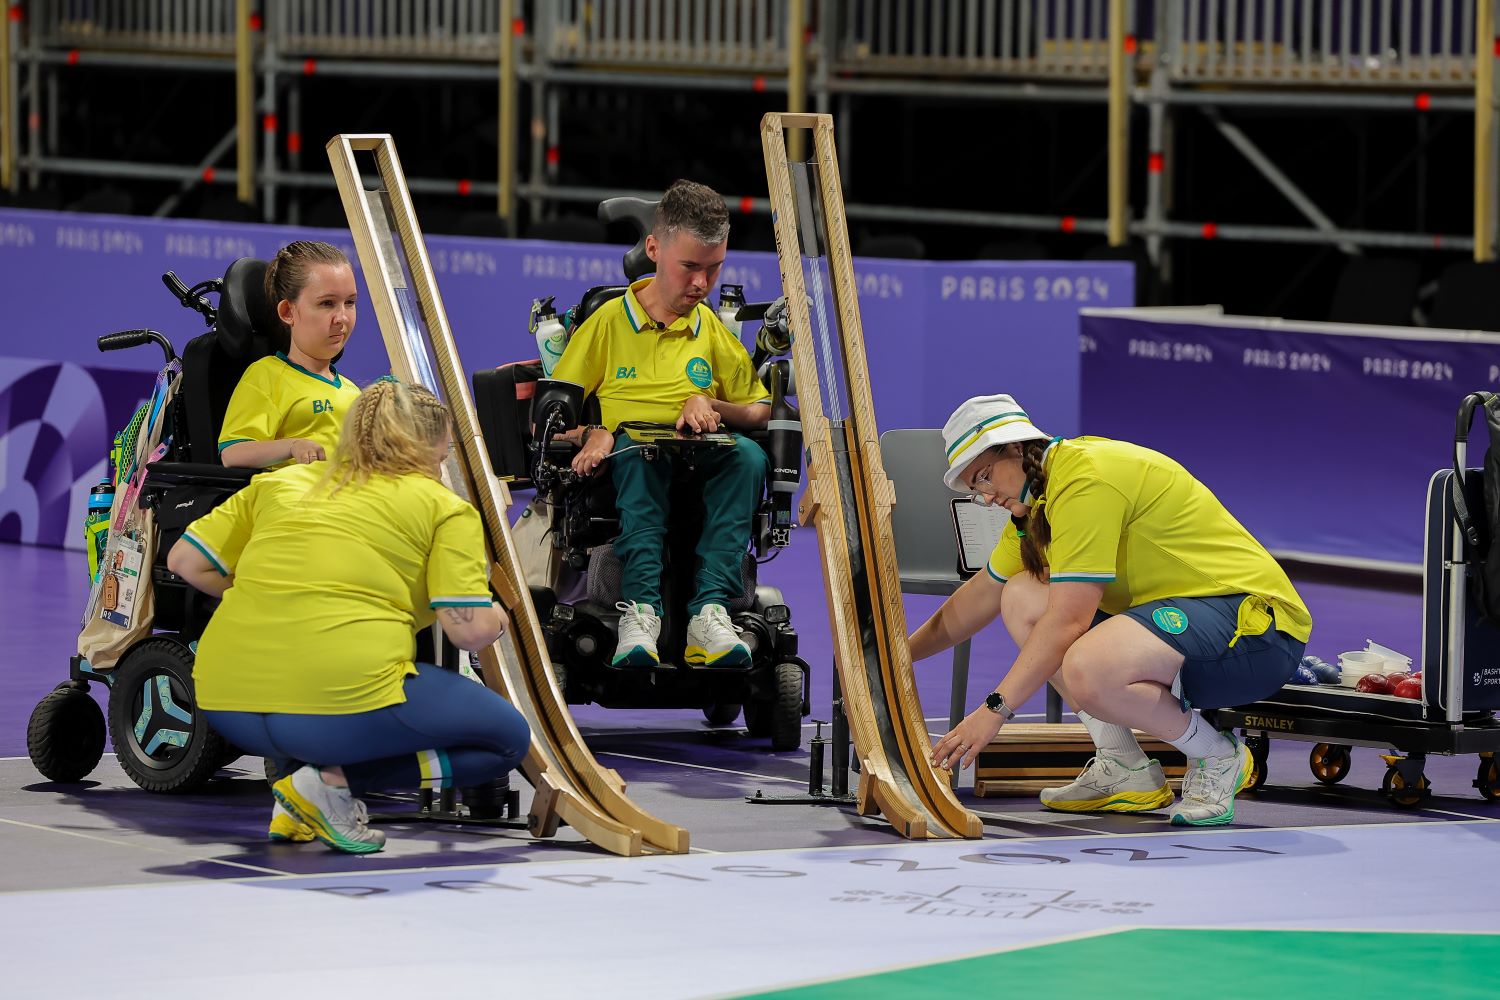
pixel 982 491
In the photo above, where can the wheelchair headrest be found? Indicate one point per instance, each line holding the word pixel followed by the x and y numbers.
pixel 245 316
pixel 641 214
pixel 593 299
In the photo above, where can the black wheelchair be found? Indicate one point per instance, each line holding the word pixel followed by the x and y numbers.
pixel 161 739
pixel 576 589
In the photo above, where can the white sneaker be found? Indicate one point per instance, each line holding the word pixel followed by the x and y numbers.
pixel 712 640
pixel 334 815
pixel 1106 785
pixel 1210 785
pixel 639 629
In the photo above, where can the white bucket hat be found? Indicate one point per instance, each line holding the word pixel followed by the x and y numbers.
pixel 980 423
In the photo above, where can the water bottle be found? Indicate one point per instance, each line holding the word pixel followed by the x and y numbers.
pixel 731 297
pixel 551 337
pixel 96 525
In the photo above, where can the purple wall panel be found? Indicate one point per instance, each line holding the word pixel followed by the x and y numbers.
pixel 1321 439
pixel 934 332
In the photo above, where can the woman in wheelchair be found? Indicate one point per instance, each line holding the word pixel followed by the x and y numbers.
pixel 325 573
pixel 288 408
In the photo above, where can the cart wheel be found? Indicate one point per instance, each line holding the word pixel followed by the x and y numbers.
pixel 162 741
pixel 1260 750
pixel 721 715
pixel 1402 794
pixel 65 735
pixel 1488 781
pixel 1330 762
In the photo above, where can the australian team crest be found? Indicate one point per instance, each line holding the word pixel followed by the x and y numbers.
pixel 699 373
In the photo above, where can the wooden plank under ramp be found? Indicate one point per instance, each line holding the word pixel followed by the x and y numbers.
pixel 1025 758
pixel 849 497
pixel 571 785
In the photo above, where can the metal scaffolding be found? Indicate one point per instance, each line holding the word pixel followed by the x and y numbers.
pixel 1150 57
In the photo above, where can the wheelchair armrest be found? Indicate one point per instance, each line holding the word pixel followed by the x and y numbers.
pixel 197 474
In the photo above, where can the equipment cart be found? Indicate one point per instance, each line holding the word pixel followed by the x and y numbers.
pixel 1460 669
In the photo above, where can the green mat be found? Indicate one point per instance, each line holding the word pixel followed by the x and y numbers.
pixel 1281 965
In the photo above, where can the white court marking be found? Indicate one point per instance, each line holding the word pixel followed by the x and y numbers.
pixel 603 927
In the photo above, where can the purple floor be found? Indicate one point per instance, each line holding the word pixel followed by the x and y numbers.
pixel 676 766
pixel 45 590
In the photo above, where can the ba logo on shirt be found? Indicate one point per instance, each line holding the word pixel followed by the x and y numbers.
pixel 1170 620
pixel 322 406
pixel 625 372
pixel 699 373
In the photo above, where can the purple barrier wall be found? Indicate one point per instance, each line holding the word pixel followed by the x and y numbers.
pixel 1320 438
pixel 935 333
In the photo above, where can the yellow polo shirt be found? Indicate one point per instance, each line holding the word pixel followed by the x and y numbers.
pixel 640 372
pixel 1139 523
pixel 278 399
pixel 330 589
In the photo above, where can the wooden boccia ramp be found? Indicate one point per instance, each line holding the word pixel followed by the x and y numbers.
pixel 849 497
pixel 570 785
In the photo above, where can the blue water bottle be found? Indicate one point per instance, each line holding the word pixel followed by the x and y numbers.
pixel 96 525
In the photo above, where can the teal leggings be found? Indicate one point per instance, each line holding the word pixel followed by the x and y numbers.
pixel 730 479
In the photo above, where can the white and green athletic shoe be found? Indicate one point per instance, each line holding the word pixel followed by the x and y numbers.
pixel 639 629
pixel 712 640
pixel 334 815
pixel 1106 785
pixel 1210 785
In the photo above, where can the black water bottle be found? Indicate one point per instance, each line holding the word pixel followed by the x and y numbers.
pixel 785 447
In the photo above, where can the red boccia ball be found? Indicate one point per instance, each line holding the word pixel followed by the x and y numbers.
pixel 1409 688
pixel 1373 684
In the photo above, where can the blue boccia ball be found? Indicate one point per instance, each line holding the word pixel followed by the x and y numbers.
pixel 1304 675
pixel 1325 672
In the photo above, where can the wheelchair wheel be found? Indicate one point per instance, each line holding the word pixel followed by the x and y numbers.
pixel 786 710
pixel 161 739
pixel 721 715
pixel 65 735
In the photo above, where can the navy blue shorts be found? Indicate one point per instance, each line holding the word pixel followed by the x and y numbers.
pixel 1215 674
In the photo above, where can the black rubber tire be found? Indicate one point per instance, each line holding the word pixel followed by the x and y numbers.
pixel 1488 781
pixel 758 719
pixel 65 735
pixel 1402 795
pixel 1330 762
pixel 721 715
pixel 786 710
pixel 187 761
pixel 272 773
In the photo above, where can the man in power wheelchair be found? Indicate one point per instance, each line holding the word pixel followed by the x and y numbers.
pixel 647 491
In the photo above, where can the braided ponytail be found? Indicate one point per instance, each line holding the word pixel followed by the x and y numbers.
pixel 391 430
pixel 1038 531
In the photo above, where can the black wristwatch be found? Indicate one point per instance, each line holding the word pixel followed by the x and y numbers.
pixel 996 703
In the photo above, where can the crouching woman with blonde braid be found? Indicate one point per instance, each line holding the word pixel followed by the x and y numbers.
pixel 326 572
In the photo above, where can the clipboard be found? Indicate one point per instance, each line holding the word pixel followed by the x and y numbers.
pixel 976 530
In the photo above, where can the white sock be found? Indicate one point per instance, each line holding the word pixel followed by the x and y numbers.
pixel 1203 740
pixel 1116 741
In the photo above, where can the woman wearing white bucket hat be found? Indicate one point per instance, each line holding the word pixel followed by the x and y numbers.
pixel 1129 588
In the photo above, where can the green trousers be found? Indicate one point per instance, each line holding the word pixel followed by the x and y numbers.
pixel 729 480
